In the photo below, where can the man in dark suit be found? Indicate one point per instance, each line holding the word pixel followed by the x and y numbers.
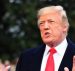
pixel 53 25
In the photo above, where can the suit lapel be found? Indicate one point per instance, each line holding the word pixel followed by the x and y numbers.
pixel 67 59
pixel 38 58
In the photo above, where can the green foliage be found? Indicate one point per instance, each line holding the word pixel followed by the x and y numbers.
pixel 20 30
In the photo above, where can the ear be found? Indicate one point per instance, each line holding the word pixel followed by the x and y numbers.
pixel 65 27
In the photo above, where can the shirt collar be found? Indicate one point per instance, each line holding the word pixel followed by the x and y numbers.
pixel 61 48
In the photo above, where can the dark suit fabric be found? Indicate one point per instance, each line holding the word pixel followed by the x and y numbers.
pixel 30 60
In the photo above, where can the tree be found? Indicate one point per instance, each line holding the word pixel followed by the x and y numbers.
pixel 18 28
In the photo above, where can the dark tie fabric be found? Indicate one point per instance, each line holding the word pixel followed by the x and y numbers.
pixel 50 61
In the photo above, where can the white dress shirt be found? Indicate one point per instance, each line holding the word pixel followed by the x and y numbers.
pixel 61 48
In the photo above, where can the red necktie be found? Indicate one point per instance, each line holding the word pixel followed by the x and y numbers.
pixel 50 61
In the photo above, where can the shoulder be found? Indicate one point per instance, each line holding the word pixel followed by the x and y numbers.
pixel 71 45
pixel 33 51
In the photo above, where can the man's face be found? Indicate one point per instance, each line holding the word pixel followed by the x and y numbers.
pixel 51 28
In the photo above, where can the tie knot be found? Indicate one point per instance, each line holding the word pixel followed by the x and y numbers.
pixel 52 50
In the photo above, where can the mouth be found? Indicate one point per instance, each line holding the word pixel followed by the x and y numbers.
pixel 47 34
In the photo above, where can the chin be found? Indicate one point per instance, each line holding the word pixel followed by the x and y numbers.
pixel 47 41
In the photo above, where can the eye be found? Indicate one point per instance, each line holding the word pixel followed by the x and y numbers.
pixel 41 23
pixel 50 21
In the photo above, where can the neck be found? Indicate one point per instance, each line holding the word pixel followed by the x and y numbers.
pixel 54 44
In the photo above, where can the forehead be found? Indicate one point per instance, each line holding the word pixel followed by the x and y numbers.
pixel 49 15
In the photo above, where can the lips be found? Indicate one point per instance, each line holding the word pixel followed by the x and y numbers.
pixel 47 34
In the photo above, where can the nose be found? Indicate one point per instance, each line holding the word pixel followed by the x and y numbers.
pixel 46 25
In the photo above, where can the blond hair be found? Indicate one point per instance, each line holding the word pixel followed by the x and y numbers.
pixel 58 9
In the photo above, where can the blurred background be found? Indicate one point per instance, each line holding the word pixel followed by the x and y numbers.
pixel 18 25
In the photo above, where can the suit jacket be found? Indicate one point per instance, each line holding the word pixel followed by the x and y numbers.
pixel 30 60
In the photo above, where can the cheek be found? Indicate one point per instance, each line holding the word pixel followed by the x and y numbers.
pixel 42 34
pixel 58 32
